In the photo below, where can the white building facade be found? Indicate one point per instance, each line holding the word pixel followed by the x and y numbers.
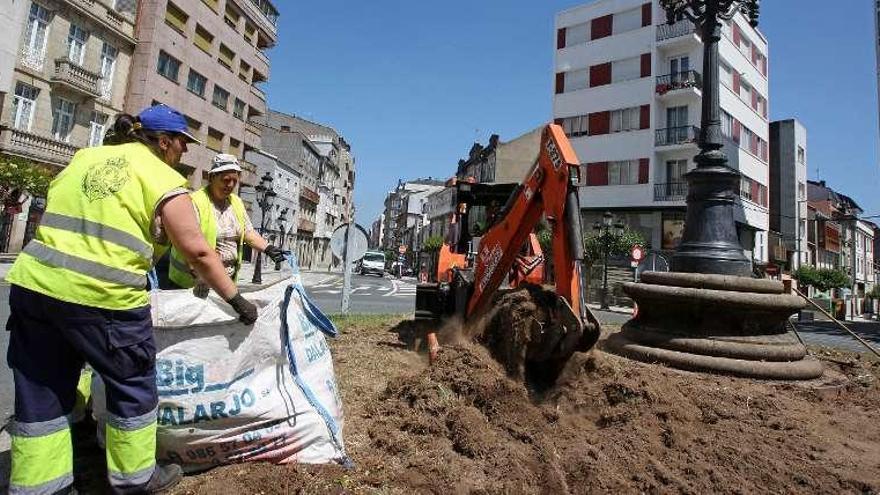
pixel 628 92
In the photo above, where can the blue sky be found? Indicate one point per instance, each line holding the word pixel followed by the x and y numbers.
pixel 411 85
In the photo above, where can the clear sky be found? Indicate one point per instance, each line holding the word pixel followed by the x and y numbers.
pixel 411 85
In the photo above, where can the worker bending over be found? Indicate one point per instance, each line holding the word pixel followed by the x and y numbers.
pixel 79 296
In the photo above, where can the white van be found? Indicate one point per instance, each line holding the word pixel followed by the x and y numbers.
pixel 373 262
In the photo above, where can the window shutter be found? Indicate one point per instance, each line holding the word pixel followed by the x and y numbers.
pixel 645 117
pixel 736 131
pixel 753 187
pixel 560 82
pixel 560 38
pixel 754 55
pixel 600 74
pixel 764 65
pixel 754 99
pixel 597 174
pixel 764 108
pixel 737 35
pixel 646 14
pixel 600 123
pixel 763 196
pixel 601 27
pixel 736 79
pixel 643 170
pixel 646 65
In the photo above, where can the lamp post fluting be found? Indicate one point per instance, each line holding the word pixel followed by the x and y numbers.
pixel 265 198
pixel 710 243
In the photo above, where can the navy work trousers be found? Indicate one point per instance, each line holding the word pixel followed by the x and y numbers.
pixel 51 340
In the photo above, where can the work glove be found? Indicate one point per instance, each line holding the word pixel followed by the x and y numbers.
pixel 201 290
pixel 275 253
pixel 247 312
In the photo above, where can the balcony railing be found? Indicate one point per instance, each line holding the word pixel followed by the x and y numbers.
pixel 306 225
pixel 34 146
pixel 670 191
pixel 678 80
pixel 680 28
pixel 76 77
pixel 118 18
pixel 309 195
pixel 259 93
pixel 671 136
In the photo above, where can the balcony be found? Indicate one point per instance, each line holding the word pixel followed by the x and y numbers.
pixel 690 79
pixel 670 191
pixel 309 195
pixel 101 11
pixel 36 147
pixel 676 136
pixel 77 78
pixel 306 225
pixel 259 93
pixel 671 31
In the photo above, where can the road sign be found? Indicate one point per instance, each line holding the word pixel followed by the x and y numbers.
pixel 358 242
pixel 402 249
pixel 637 253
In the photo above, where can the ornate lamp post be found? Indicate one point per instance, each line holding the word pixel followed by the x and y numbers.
pixel 709 243
pixel 265 198
pixel 608 232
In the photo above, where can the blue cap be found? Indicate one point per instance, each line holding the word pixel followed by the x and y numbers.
pixel 166 119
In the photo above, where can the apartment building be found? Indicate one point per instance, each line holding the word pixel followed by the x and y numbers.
pixel 67 82
pixel 788 194
pixel 280 223
pixel 628 91
pixel 403 213
pixel 208 59
pixel 376 233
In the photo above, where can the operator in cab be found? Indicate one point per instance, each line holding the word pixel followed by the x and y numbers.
pixel 224 224
pixel 79 295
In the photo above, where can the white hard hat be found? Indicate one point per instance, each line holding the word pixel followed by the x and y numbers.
pixel 224 162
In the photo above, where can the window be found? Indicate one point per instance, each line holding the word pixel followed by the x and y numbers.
pixel 196 82
pixel 726 74
pixel 675 170
pixel 108 68
pixel 35 36
pixel 726 124
pixel 62 119
pixel 234 145
pixel 576 126
pixel 23 105
pixel 212 4
pixel 203 39
pixel 221 98
pixel 215 140
pixel 244 71
pixel 193 125
pixel 97 127
pixel 627 20
pixel 626 69
pixel 76 44
pixel 623 172
pixel 802 191
pixel 176 17
pixel 745 188
pixel 238 109
pixel 577 34
pixel 168 66
pixel 575 80
pixel 231 16
pixel 801 155
pixel 249 31
pixel 626 119
pixel 226 56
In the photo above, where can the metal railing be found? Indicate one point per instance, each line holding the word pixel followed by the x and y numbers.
pixel 678 80
pixel 670 191
pixel 680 28
pixel 76 77
pixel 676 135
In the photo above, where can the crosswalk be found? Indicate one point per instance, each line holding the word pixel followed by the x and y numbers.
pixel 385 287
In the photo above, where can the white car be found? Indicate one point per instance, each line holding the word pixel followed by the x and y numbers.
pixel 373 262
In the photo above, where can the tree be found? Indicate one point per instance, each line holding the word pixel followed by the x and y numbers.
pixel 620 245
pixel 19 176
pixel 433 244
pixel 821 279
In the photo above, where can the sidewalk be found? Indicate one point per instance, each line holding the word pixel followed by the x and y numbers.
pixel 624 310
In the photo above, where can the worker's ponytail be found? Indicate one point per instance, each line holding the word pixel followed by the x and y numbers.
pixel 127 129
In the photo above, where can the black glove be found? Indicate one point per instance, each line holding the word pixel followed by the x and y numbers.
pixel 247 312
pixel 275 253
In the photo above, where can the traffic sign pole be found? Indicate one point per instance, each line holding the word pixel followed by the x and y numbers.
pixel 347 262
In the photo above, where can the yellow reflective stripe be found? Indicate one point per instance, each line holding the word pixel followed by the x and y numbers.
pixel 83 393
pixel 40 460
pixel 131 451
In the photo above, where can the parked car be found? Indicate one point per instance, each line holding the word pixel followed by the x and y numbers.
pixel 373 262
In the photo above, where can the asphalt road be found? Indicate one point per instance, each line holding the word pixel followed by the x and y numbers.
pixel 369 293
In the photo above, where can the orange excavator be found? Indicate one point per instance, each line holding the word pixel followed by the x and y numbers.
pixel 471 269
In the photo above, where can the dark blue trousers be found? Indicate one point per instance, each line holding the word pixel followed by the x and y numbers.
pixel 51 340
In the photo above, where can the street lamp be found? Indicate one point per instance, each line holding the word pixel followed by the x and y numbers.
pixel 608 233
pixel 709 243
pixel 265 198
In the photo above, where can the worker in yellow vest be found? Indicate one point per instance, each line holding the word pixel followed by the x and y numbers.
pixel 225 225
pixel 79 295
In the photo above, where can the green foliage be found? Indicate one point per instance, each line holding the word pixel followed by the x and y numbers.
pixel 874 293
pixel 619 244
pixel 18 175
pixel 821 279
pixel 390 255
pixel 545 239
pixel 433 244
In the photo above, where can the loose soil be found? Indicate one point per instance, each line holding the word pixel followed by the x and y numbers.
pixel 608 425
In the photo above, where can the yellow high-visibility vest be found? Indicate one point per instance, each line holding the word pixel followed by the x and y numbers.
pixel 93 246
pixel 178 269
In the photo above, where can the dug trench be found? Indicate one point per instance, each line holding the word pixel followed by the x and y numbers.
pixel 608 425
